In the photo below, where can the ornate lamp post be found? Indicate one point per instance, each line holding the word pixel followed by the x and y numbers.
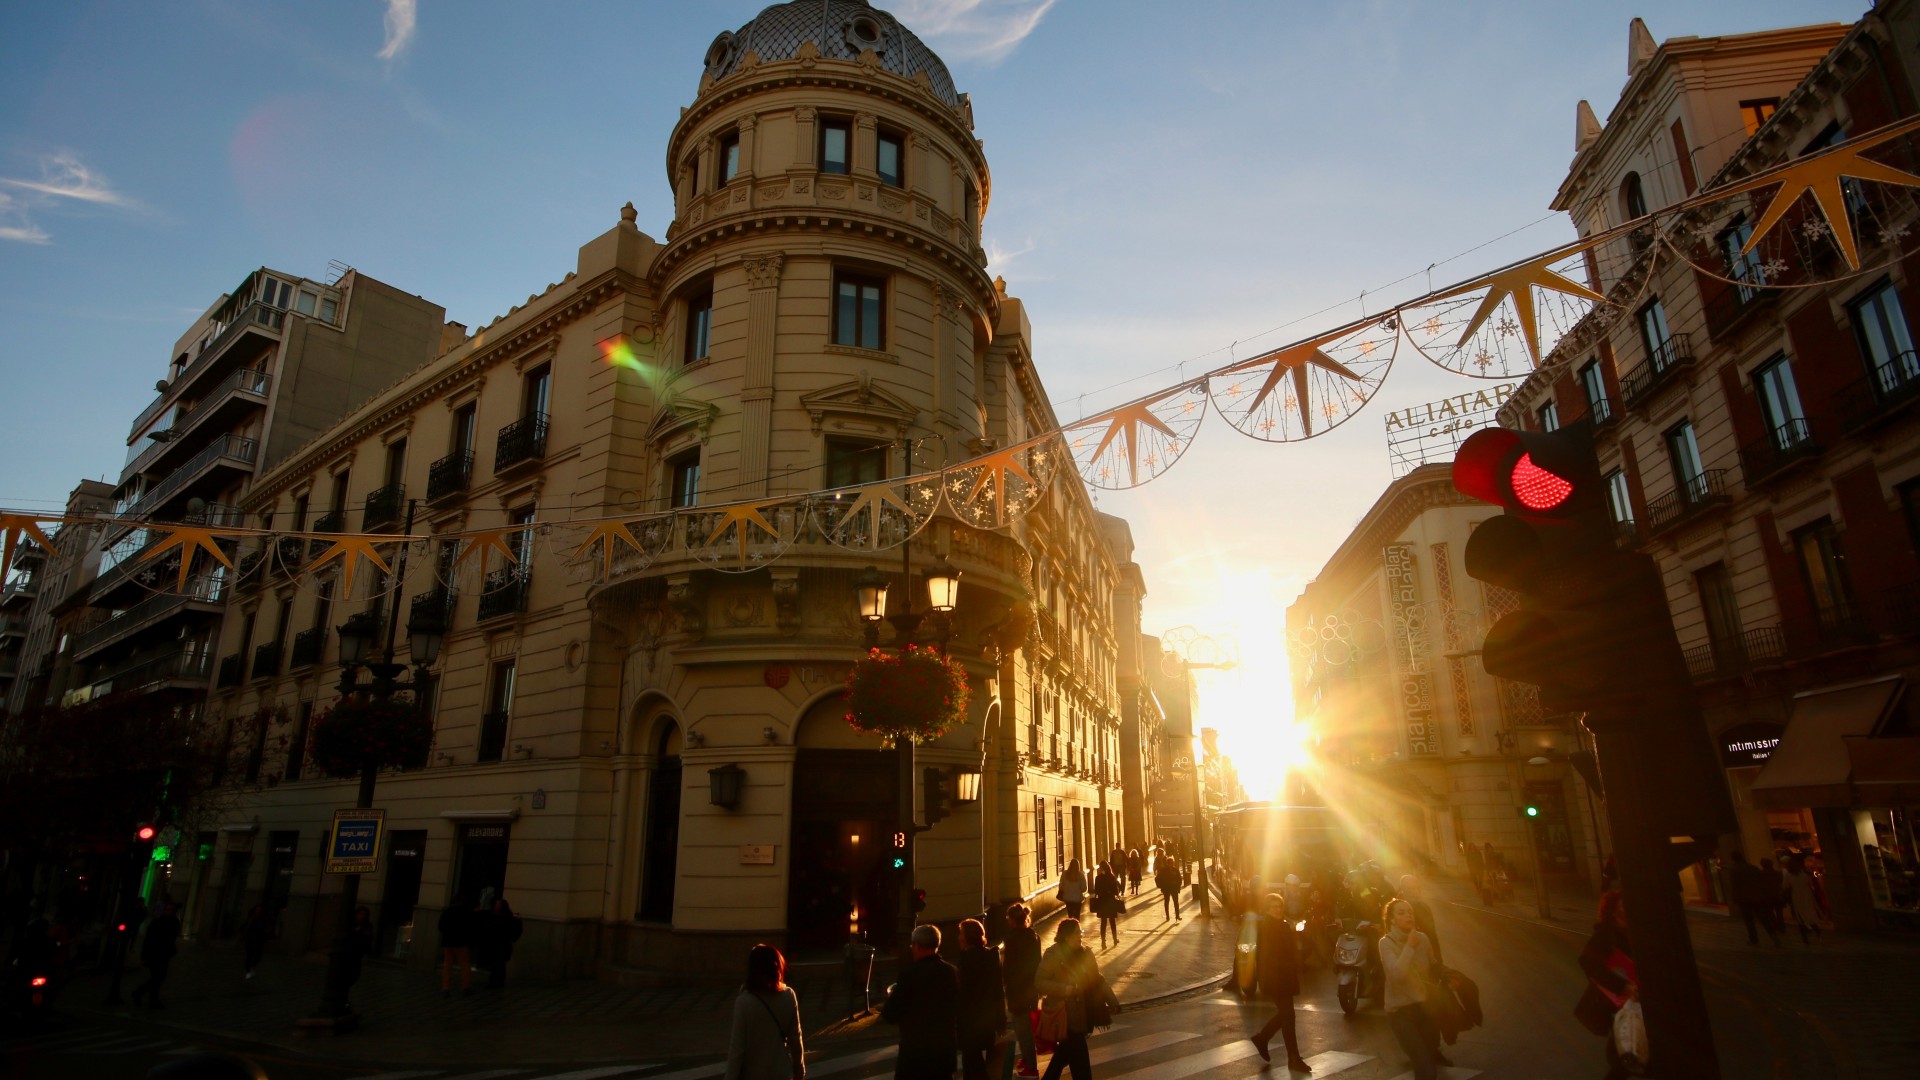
pixel 424 639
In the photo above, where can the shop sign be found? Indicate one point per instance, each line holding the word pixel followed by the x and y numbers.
pixel 354 845
pixel 756 854
pixel 1749 744
pixel 1411 646
pixel 1432 432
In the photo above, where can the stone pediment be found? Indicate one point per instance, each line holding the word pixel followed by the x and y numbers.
pixel 861 400
pixel 680 414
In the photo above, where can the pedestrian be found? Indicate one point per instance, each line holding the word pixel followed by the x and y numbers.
pixel 982 1021
pixel 766 1041
pixel 1776 879
pixel 1019 959
pixel 1406 961
pixel 1612 980
pixel 157 952
pixel 1117 858
pixel 359 945
pixel 1294 891
pixel 493 943
pixel 1754 897
pixel 1168 879
pixel 1134 866
pixel 1070 977
pixel 1073 888
pixel 1276 968
pixel 924 1003
pixel 456 943
pixel 1108 904
pixel 1409 891
pixel 1806 913
pixel 255 929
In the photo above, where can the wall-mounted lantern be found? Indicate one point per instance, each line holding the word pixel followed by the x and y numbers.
pixel 724 784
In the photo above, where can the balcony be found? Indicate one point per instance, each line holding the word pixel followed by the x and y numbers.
pixel 1729 310
pixel 238 394
pixel 1602 412
pixel 258 325
pixel 1764 646
pixel 505 593
pixel 1886 390
pixel 307 647
pixel 521 442
pixel 1663 366
pixel 227 451
pixel 432 609
pixel 206 598
pixel 384 508
pixel 20 590
pixel 332 523
pixel 230 670
pixel 289 554
pixel 1692 498
pixel 266 660
pixel 11 627
pixel 1778 452
pixel 154 673
pixel 450 475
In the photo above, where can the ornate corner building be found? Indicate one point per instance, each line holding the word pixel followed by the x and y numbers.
pixel 816 316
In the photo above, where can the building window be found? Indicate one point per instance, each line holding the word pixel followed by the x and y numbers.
pixel 1780 403
pixel 683 479
pixel 1593 383
pixel 857 303
pixel 1040 837
pixel 1633 200
pixel 836 138
pixel 465 420
pixel 1549 416
pixel 889 157
pixel 1755 113
pixel 1850 190
pixel 1060 836
pixel 1824 564
pixel 1619 501
pixel 971 212
pixel 297 746
pixel 300 513
pixel 1683 451
pixel 537 391
pixel 520 542
pixel 1742 267
pixel 305 302
pixel 1886 344
pixel 493 723
pixel 699 323
pixel 1721 611
pixel 729 159
pixel 855 461
pixel 1655 337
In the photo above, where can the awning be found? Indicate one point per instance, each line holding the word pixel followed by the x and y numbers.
pixel 1886 772
pixel 1812 765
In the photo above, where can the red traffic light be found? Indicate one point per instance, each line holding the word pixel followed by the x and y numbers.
pixel 1549 473
pixel 39 980
pixel 1538 488
pixel 144 833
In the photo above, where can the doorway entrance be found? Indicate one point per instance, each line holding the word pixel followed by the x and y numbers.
pixel 406 856
pixel 839 876
pixel 660 859
pixel 233 892
pixel 482 860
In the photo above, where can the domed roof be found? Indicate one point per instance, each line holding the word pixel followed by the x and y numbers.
pixel 840 29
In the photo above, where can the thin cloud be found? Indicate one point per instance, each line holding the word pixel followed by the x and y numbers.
pixel 400 20
pixel 974 29
pixel 64 177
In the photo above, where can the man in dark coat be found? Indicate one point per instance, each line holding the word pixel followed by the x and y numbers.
pixel 1019 960
pixel 157 952
pixel 1755 896
pixel 1277 966
pixel 925 1003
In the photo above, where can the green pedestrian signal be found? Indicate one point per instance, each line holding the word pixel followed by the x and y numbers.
pixel 161 853
pixel 1531 811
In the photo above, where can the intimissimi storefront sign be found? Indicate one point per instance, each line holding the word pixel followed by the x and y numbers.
pixel 1749 744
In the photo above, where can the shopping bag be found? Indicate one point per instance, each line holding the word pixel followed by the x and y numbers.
pixel 1049 1027
pixel 1630 1034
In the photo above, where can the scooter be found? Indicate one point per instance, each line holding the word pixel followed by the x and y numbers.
pixel 1356 966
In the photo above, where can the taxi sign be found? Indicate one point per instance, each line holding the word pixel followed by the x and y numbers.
pixel 354 845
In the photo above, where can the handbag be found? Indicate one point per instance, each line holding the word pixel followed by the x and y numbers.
pixel 1050 1022
pixel 1099 1003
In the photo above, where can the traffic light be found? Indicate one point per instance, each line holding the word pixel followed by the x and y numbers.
pixel 919 901
pixel 145 833
pixel 936 795
pixel 1530 812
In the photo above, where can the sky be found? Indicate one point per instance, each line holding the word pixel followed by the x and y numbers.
pixel 1174 186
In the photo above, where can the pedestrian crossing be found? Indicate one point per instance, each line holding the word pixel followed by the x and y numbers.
pixel 1124 1052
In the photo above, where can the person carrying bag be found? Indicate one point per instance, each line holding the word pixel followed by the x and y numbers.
pixel 1078 1000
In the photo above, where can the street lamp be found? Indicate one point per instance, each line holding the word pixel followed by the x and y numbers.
pixel 424 638
pixel 943 587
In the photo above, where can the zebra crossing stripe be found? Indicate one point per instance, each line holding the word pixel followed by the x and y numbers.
pixel 1336 1061
pixel 1218 1057
pixel 112 1044
pixel 490 1074
pixel 852 1061
pixel 410 1074
pixel 1447 1072
pixel 1105 1052
pixel 137 1046
pixel 594 1074
pixel 48 1041
pixel 702 1072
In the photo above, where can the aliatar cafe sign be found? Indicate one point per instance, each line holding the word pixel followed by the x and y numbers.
pixel 1433 431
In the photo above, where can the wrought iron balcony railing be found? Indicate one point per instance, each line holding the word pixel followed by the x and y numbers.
pixel 450 475
pixel 520 442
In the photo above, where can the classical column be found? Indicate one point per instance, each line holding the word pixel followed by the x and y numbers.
pixel 947 396
pixel 749 129
pixel 865 127
pixel 756 393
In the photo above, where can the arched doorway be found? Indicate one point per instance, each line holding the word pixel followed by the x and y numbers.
pixel 660 858
pixel 844 813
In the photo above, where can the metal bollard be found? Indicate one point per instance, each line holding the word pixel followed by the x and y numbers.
pixel 858 968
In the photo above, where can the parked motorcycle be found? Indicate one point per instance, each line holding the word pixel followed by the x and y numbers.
pixel 1356 964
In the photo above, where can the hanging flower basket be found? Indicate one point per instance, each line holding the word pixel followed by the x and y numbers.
pixel 382 733
pixel 917 694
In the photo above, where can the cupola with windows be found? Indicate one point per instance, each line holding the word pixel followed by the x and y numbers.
pixel 838 30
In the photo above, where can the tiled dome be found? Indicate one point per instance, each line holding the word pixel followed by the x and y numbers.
pixel 840 29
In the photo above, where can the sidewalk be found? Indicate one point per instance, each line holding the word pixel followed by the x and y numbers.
pixel 406 1021
pixel 1842 1006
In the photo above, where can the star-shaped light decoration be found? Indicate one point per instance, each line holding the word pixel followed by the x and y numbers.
pixel 740 517
pixel 1302 379
pixel 1516 284
pixel 188 540
pixel 873 501
pixel 609 533
pixel 15 527
pixel 488 540
pixel 1820 176
pixel 349 549
pixel 1158 425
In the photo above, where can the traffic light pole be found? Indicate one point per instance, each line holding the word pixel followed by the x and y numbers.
pixel 1678 1029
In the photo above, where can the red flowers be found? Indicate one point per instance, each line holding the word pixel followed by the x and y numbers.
pixel 382 733
pixel 917 694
